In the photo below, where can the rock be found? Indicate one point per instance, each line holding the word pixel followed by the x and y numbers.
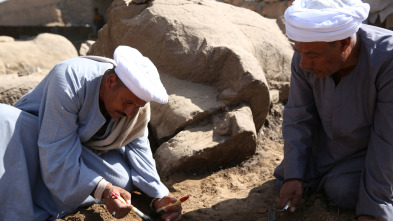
pixel 35 54
pixel 85 46
pixel 23 64
pixel 6 39
pixel 230 139
pixel 13 87
pixel 188 103
pixel 228 96
pixel 274 96
pixel 283 89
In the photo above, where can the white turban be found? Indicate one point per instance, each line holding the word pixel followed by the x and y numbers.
pixel 324 20
pixel 139 74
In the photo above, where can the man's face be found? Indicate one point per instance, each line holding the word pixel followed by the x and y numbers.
pixel 322 59
pixel 119 101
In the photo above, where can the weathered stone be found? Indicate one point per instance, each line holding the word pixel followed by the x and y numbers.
pixel 282 87
pixel 274 96
pixel 13 87
pixel 28 71
pixel 38 53
pixel 85 46
pixel 23 64
pixel 6 39
pixel 188 103
pixel 229 140
pixel 228 96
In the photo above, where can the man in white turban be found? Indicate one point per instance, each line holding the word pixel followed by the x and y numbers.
pixel 80 135
pixel 338 121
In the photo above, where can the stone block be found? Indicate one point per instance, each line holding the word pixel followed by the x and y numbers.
pixel 227 139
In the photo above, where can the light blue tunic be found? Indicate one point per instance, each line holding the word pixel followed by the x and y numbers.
pixel 59 115
pixel 350 125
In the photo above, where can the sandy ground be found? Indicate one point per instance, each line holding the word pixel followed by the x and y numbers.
pixel 241 192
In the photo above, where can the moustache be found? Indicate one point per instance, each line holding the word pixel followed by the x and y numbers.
pixel 311 70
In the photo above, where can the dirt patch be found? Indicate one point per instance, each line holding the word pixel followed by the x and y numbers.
pixel 243 192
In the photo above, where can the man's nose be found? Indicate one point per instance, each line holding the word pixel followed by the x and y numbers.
pixel 129 110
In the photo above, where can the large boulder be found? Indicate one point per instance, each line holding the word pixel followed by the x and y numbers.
pixel 213 59
pixel 23 64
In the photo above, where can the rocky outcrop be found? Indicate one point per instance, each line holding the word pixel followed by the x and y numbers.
pixel 215 60
pixel 23 64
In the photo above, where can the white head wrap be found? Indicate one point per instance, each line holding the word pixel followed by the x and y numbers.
pixel 139 74
pixel 324 20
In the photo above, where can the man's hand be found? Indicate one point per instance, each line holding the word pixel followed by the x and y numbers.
pixel 115 205
pixel 291 191
pixel 172 213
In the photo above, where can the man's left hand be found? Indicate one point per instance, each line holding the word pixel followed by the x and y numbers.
pixel 172 213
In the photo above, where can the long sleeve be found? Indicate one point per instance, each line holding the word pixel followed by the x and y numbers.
pixel 300 121
pixel 69 180
pixel 375 193
pixel 143 168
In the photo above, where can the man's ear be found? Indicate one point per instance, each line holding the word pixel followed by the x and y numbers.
pixel 111 81
pixel 345 43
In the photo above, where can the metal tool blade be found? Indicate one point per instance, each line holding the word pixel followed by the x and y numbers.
pixel 271 215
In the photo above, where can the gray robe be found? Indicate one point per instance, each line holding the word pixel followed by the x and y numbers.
pixel 41 141
pixel 346 129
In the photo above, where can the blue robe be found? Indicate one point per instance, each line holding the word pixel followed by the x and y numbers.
pixel 46 171
pixel 341 136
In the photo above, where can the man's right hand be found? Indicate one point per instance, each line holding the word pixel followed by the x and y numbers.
pixel 115 205
pixel 292 192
